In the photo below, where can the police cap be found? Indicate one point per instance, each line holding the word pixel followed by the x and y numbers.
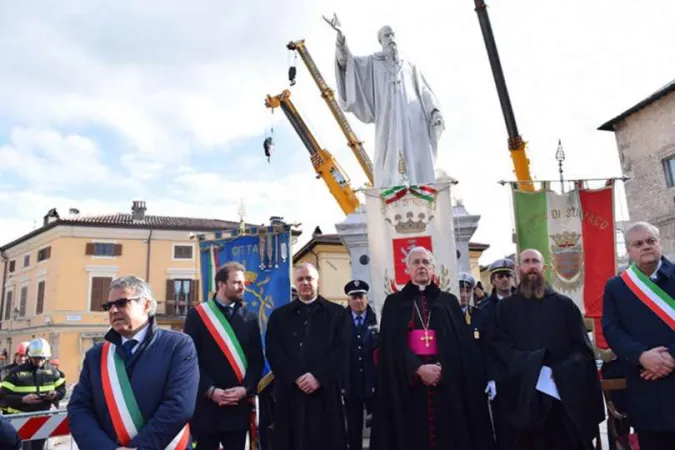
pixel 502 265
pixel 467 278
pixel 356 287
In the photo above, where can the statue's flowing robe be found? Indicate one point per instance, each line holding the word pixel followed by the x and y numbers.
pixel 399 101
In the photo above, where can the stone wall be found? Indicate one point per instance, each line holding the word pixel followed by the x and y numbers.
pixel 644 140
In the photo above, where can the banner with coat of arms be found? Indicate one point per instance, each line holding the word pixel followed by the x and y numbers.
pixel 265 252
pixel 576 234
pixel 404 217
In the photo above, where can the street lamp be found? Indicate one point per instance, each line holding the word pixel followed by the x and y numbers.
pixel 560 157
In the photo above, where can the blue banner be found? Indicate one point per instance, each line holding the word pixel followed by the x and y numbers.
pixel 265 252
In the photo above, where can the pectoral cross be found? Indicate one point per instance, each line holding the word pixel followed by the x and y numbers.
pixel 426 338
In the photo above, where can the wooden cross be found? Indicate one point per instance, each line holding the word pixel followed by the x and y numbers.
pixel 426 338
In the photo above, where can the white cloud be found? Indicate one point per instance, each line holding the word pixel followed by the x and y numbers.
pixel 51 161
pixel 178 82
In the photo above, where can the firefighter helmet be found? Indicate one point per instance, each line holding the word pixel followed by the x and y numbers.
pixel 22 348
pixel 39 348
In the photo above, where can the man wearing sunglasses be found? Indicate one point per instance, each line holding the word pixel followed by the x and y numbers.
pixel 137 389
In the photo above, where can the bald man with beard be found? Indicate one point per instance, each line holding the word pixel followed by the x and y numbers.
pixel 544 363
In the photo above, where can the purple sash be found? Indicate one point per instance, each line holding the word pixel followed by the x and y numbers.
pixel 423 342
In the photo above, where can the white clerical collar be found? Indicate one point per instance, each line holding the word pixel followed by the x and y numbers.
pixel 138 337
pixel 307 302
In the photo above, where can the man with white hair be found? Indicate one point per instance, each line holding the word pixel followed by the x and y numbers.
pixel 392 93
pixel 429 388
pixel 639 325
pixel 307 344
pixel 137 389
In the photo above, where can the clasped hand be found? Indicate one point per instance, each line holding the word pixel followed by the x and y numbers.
pixel 308 383
pixel 228 397
pixel 430 374
pixel 657 363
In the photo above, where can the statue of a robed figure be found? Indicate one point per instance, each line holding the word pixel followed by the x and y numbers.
pixel 391 93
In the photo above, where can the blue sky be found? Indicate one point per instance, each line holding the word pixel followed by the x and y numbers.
pixel 163 101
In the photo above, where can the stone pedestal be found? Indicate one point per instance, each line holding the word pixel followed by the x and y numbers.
pixel 465 226
pixel 354 234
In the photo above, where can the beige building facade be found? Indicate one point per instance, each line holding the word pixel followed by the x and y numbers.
pixel 56 277
pixel 645 138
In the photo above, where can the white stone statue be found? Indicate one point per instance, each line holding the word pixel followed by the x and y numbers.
pixel 392 93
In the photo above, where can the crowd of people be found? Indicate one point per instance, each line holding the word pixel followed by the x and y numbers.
pixel 512 370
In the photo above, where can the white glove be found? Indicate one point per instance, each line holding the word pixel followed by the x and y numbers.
pixel 491 390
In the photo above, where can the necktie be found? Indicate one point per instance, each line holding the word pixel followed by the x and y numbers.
pixel 358 321
pixel 127 346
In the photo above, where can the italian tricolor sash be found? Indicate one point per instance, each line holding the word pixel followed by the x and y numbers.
pixel 655 298
pixel 221 331
pixel 121 401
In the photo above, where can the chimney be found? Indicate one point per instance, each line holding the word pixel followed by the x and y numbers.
pixel 51 216
pixel 317 231
pixel 138 211
pixel 74 211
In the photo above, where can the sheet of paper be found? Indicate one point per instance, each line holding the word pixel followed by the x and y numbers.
pixel 546 384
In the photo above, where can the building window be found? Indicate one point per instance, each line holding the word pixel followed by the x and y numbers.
pixel 104 249
pixel 669 170
pixel 8 305
pixel 39 309
pixel 182 251
pixel 44 253
pixel 26 261
pixel 12 266
pixel 99 292
pixel 23 301
pixel 181 296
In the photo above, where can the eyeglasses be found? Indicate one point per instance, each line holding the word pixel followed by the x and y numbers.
pixel 119 303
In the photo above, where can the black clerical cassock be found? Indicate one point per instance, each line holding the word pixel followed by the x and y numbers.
pixel 427 327
pixel 528 334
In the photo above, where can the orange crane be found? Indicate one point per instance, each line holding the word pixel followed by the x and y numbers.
pixel 517 145
pixel 329 96
pixel 324 163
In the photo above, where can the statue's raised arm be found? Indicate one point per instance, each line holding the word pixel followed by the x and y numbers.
pixel 341 50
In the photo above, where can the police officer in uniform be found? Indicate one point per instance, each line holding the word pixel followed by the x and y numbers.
pixel 32 386
pixel 502 273
pixel 502 278
pixel 358 385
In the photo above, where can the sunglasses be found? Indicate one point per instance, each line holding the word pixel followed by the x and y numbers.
pixel 120 303
pixel 503 275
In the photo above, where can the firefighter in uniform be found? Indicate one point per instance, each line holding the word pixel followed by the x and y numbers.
pixel 358 385
pixel 19 358
pixel 32 387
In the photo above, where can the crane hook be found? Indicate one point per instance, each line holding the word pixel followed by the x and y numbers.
pixel 268 145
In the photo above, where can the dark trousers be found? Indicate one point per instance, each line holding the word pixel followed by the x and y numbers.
pixel 550 435
pixel 235 440
pixel 504 432
pixel 266 415
pixel 354 411
pixel 37 444
pixel 656 440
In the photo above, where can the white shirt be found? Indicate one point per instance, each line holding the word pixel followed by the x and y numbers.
pixel 654 276
pixel 139 337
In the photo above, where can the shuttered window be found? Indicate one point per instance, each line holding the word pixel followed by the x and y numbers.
pixel 99 292
pixel 39 308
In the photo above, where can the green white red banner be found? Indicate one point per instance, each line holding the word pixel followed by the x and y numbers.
pixel 576 234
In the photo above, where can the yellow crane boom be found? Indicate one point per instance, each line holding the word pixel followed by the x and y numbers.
pixel 329 96
pixel 323 162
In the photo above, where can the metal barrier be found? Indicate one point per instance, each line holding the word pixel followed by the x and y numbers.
pixel 40 424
